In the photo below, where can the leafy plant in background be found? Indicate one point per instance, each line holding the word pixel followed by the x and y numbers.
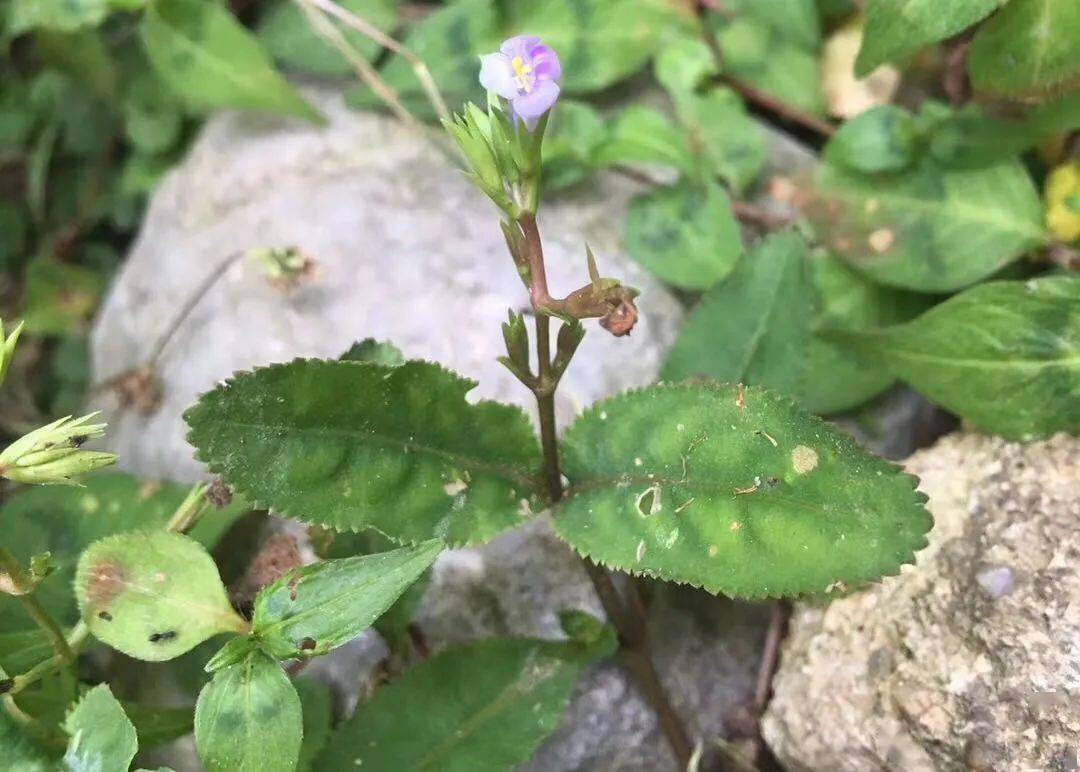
pixel 905 260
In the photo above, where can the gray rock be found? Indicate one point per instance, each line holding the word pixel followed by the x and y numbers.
pixel 969 660
pixel 408 251
pixel 406 248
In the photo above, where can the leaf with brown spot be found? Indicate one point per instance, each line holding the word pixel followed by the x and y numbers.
pixel 152 595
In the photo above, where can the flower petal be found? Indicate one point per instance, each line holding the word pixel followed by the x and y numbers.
pixel 519 45
pixel 529 107
pixel 497 74
pixel 545 63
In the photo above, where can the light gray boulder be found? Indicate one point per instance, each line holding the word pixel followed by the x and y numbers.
pixel 971 658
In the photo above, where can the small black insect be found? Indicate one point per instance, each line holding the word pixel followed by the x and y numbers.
pixel 105 616
pixel 168 635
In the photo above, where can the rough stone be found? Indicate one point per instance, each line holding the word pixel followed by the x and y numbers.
pixel 971 658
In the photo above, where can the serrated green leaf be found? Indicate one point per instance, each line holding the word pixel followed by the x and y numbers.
pixel 1004 355
pixel 736 490
pixel 486 706
pixel 837 376
pixel 393 624
pixel 685 234
pixel 724 134
pixel 248 719
pixel 929 228
pixel 152 595
pixel 897 28
pixel 288 37
pixel 882 139
pixel 1028 48
pixel 405 454
pixel 315 609
pixel 204 54
pixel 754 327
pixel 65 520
pixel 315 702
pixel 102 737
pixel 643 135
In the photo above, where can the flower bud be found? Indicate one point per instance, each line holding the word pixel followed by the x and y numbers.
pixel 7 348
pixel 51 454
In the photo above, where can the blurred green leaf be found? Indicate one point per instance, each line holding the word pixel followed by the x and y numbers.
pixel 928 228
pixel 574 135
pixel 774 46
pixel 734 489
pixel 486 706
pixel 313 610
pixel 897 28
pixel 249 719
pixel 60 15
pixel 1003 355
pixel 21 753
pixel 288 37
pixel 724 134
pixel 60 297
pixel 13 233
pixel 644 135
pixel 21 650
pixel 882 139
pixel 152 595
pixel 211 60
pixel 837 376
pixel 315 703
pixel 682 66
pixel 969 137
pixel 685 234
pixel 83 56
pixel 1028 48
pixel 153 117
pixel 753 328
pixel 102 737
pixel 157 726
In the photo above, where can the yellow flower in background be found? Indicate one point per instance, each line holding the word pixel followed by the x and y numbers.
pixel 1063 202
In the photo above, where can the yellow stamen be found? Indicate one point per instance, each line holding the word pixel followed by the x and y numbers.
pixel 521 73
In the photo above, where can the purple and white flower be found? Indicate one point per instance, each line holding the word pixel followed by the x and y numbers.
pixel 525 72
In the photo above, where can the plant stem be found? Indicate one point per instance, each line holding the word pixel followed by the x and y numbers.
pixel 33 607
pixel 631 627
pixel 74 642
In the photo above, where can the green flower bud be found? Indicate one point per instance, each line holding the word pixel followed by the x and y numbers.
pixel 7 348
pixel 51 455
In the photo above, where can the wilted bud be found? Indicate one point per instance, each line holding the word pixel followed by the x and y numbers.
pixel 7 348
pixel 51 454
